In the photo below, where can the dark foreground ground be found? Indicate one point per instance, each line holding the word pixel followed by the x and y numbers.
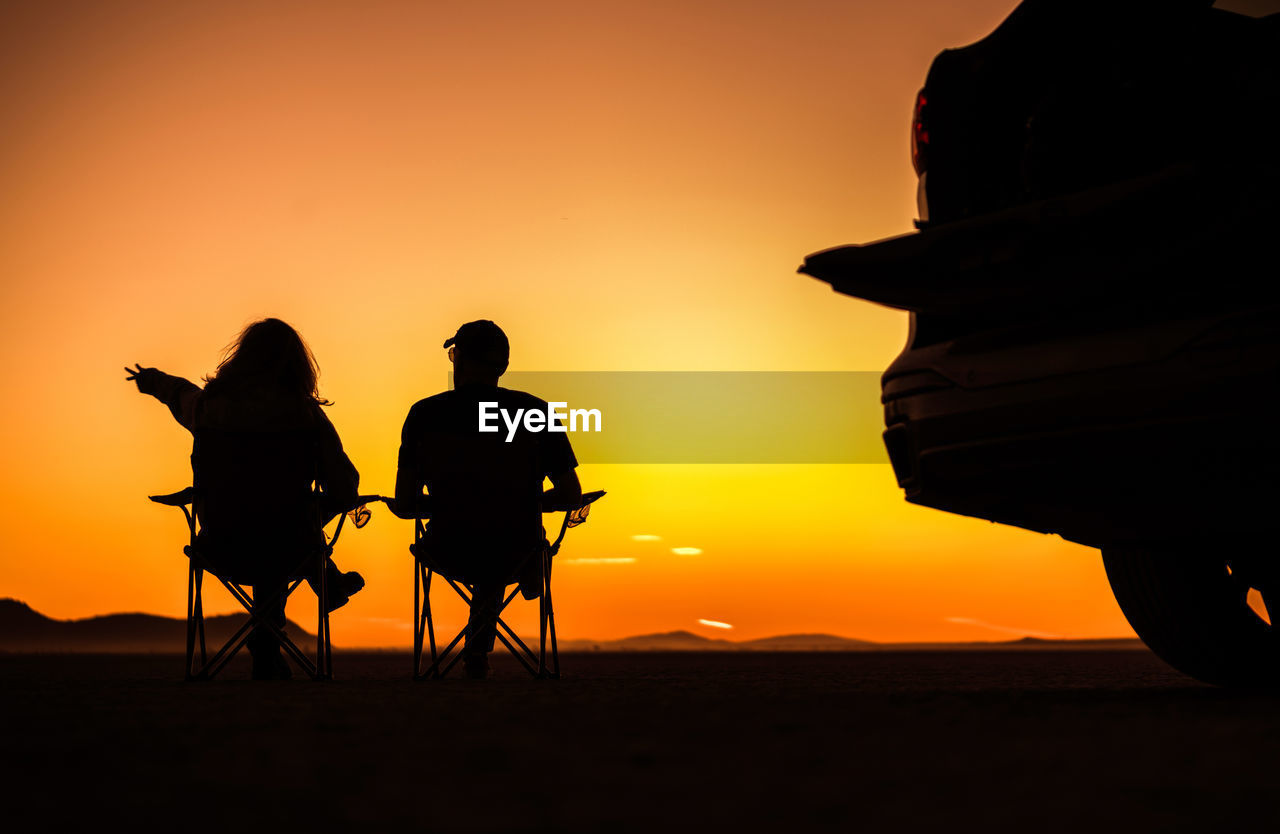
pixel 888 741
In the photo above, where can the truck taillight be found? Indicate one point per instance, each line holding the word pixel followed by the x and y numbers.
pixel 920 134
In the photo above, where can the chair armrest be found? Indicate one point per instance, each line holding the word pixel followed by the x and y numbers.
pixel 390 501
pixel 362 500
pixel 176 499
pixel 590 498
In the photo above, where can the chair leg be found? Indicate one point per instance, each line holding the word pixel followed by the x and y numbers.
pixel 551 619
pixel 328 649
pixel 204 655
pixel 524 661
pixel 511 640
pixel 223 656
pixel 193 614
pixel 328 640
pixel 542 664
pixel 425 624
pixel 311 669
pixel 426 607
pixel 319 669
pixel 448 653
pixel 443 660
pixel 448 657
pixel 417 619
pixel 324 660
pixel 542 622
pixel 324 655
pixel 207 667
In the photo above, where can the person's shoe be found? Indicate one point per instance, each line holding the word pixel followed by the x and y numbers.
pixel 476 666
pixel 347 586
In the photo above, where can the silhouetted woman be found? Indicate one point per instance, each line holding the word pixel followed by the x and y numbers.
pixel 261 438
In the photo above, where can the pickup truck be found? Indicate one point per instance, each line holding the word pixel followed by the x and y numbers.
pixel 1094 299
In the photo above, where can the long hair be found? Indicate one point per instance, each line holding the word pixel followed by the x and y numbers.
pixel 268 353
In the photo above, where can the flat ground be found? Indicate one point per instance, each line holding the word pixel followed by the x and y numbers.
pixel 875 741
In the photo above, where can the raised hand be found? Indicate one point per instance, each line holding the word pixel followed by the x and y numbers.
pixel 146 378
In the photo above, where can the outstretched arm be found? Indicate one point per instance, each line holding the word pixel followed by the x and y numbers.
pixel 177 393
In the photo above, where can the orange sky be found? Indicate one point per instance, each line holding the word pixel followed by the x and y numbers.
pixel 620 186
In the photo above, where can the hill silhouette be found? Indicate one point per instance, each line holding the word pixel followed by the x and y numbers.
pixel 669 641
pixel 23 629
pixel 688 641
pixel 805 643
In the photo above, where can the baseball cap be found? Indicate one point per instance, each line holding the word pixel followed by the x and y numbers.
pixel 481 340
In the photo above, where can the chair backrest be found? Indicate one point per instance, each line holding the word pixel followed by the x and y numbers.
pixel 254 488
pixel 244 478
pixel 485 500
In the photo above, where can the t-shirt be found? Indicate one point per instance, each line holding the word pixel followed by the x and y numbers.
pixel 484 488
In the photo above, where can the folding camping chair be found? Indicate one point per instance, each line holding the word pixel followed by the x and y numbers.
pixel 321 668
pixel 280 446
pixel 539 664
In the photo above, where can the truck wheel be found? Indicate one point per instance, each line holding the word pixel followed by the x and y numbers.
pixel 1193 612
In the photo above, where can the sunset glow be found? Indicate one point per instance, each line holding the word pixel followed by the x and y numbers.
pixel 621 187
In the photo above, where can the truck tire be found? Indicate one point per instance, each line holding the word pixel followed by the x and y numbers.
pixel 1194 614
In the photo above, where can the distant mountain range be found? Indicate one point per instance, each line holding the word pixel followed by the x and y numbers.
pixel 24 630
pixel 678 641
pixel 674 641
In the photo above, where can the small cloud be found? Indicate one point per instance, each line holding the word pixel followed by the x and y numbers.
pixel 714 624
pixel 686 551
pixel 601 560
pixel 1023 632
pixel 394 622
pixel 646 537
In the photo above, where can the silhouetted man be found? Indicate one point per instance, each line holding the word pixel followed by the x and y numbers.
pixel 484 488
